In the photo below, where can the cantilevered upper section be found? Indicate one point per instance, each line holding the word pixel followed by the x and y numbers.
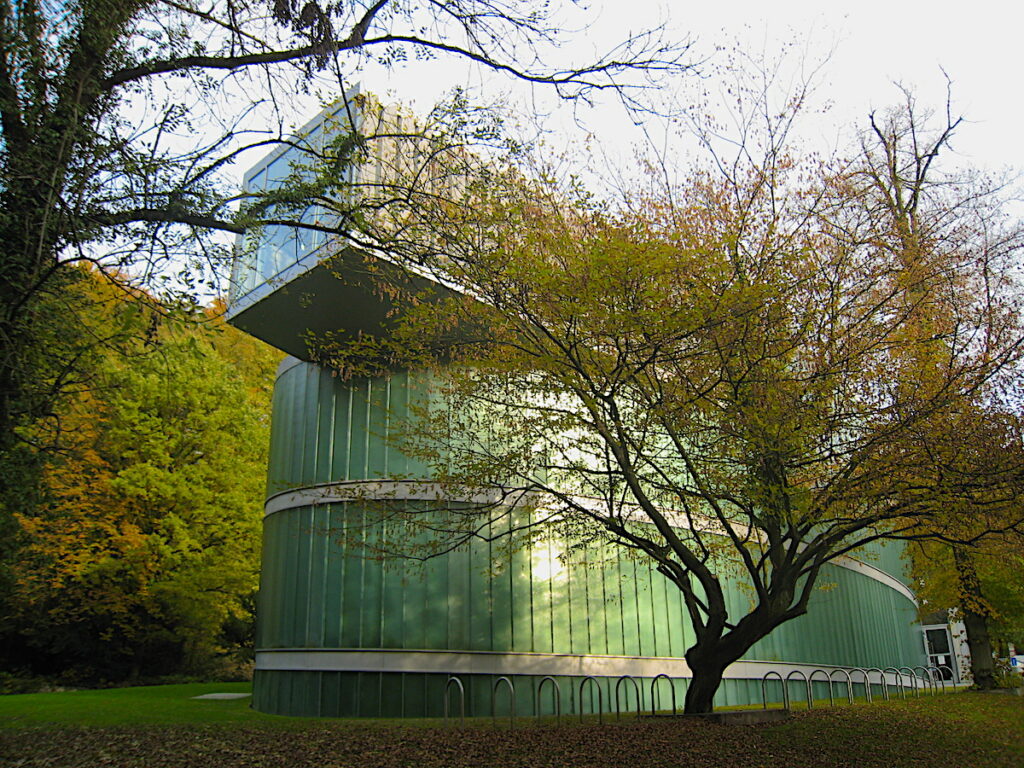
pixel 291 284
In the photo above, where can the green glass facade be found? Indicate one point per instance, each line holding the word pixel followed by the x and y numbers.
pixel 342 632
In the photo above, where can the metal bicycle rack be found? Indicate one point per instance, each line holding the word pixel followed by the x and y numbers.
pixel 764 692
pixel 600 697
pixel 654 689
pixel 936 675
pixel 807 686
pixel 462 699
pixel 881 679
pixel 849 684
pixel 899 682
pixel 636 688
pixel 511 700
pixel 828 681
pixel 942 677
pixel 917 678
pixel 932 677
pixel 927 678
pixel 867 683
pixel 913 681
pixel 558 698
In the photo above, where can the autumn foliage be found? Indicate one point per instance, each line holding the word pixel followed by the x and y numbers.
pixel 744 370
pixel 141 554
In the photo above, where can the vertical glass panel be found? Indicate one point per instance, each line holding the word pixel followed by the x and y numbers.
pixel 352 583
pixel 308 240
pixel 435 590
pixel 278 249
pixel 480 597
pixel 314 139
pixel 319 548
pixel 370 606
pixel 277 171
pixel 458 599
pixel 334 576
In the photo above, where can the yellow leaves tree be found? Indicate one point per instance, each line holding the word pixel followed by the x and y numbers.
pixel 146 543
pixel 984 586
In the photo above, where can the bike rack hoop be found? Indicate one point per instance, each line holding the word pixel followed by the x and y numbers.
pixel 462 698
pixel 926 677
pixel 558 697
pixel 828 681
pixel 936 675
pixel 913 681
pixel 899 682
pixel 849 683
pixel 764 689
pixel 636 688
pixel 600 697
pixel 942 677
pixel 881 679
pixel 654 688
pixel 867 683
pixel 511 700
pixel 807 685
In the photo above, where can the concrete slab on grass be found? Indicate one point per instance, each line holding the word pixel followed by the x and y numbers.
pixel 223 696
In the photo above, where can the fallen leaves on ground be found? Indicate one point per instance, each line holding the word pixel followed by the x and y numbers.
pixel 961 731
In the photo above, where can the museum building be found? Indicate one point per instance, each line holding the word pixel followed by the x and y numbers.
pixel 341 633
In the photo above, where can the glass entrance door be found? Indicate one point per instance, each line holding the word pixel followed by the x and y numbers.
pixel 940 653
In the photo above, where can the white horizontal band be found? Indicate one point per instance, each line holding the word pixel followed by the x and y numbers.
pixel 380 490
pixel 496 663
pixel 414 490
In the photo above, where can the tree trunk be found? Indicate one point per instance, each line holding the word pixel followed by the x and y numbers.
pixel 700 694
pixel 709 658
pixel 982 666
pixel 975 615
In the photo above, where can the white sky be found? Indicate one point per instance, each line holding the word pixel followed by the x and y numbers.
pixel 875 42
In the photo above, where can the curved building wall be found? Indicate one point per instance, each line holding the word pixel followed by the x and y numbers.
pixel 343 633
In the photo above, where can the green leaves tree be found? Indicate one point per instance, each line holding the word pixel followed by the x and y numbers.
pixel 747 374
pixel 144 543
pixel 983 584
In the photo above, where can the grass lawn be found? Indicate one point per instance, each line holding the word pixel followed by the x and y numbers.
pixel 145 705
pixel 163 727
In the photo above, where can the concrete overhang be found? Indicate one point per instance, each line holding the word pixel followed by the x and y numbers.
pixel 339 295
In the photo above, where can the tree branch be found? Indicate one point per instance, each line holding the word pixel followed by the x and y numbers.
pixel 166 216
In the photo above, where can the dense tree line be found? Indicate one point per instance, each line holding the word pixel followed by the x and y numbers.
pixel 138 555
